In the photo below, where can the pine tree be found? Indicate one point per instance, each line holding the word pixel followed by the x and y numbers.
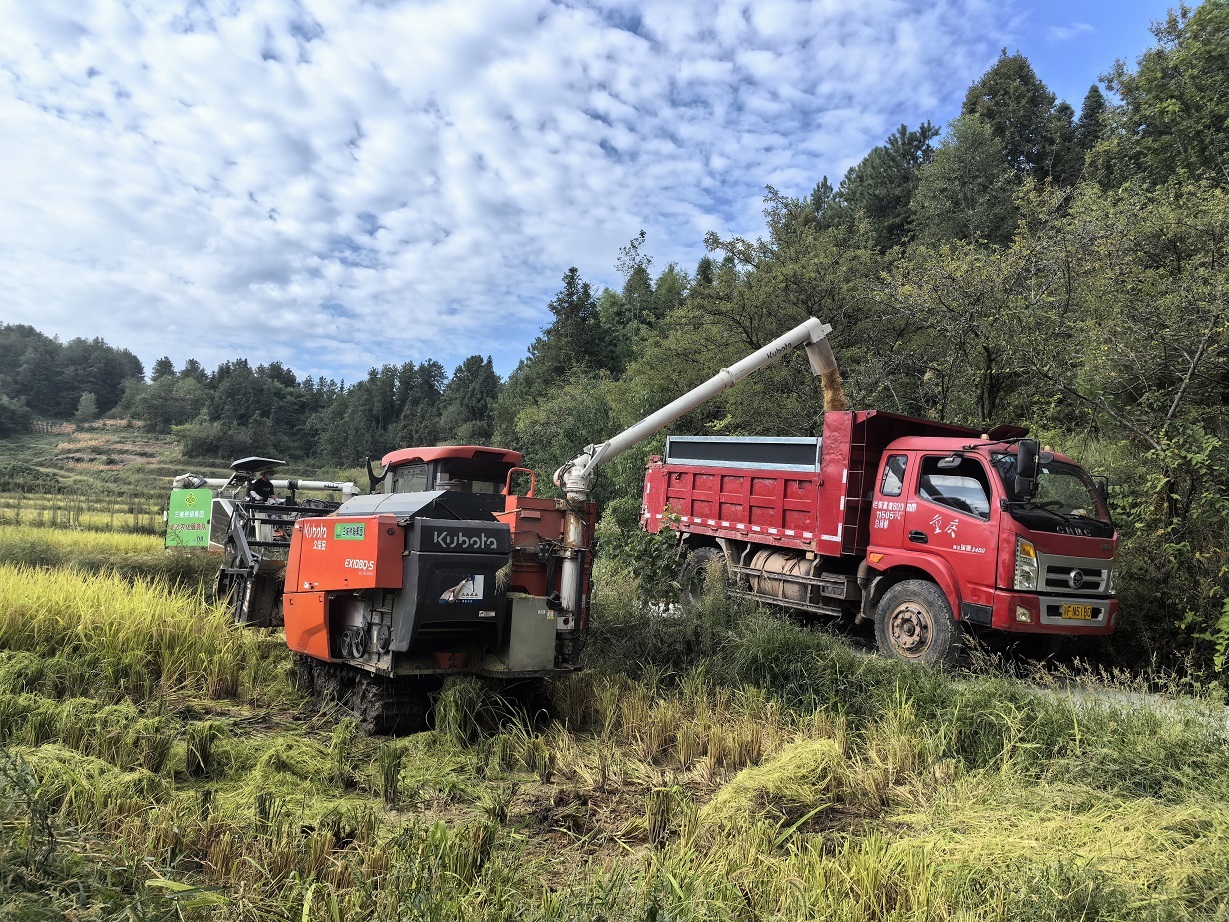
pixel 1089 129
pixel 163 368
pixel 1013 101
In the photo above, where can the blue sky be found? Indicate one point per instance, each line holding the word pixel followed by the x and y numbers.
pixel 338 184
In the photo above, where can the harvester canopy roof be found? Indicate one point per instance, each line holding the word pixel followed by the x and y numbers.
pixel 468 452
pixel 255 465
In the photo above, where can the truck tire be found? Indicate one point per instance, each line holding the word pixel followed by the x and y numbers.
pixel 914 623
pixel 694 573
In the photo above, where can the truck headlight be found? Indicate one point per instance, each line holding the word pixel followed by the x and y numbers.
pixel 1112 586
pixel 1026 566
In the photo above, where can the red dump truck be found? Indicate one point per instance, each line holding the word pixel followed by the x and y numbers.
pixel 930 530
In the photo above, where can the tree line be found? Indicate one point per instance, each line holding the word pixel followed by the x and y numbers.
pixel 1025 264
pixel 40 376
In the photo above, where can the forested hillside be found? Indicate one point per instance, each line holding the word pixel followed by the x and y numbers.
pixel 1027 263
pixel 39 376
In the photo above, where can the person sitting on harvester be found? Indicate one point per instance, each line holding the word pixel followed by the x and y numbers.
pixel 260 490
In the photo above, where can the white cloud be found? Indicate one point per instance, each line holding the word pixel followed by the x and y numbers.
pixel 1067 33
pixel 340 184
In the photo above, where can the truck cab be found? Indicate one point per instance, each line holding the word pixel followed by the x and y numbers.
pixel 1036 562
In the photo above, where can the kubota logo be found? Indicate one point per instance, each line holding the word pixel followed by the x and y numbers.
pixel 457 539
pixel 315 531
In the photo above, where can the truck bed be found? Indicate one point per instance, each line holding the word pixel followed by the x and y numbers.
pixel 805 493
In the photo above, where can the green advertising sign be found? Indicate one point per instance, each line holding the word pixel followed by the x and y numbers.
pixel 187 518
pixel 348 531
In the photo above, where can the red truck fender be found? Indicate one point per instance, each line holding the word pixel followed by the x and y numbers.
pixel 890 569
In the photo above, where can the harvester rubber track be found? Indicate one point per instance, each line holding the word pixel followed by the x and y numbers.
pixel 390 706
pixel 383 706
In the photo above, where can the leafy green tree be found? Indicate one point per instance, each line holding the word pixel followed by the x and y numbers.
pixel 1173 120
pixel 237 394
pixel 951 318
pixel 223 442
pixel 15 339
pixel 967 191
pixel 573 414
pixel 87 408
pixel 1139 279
pixel 15 416
pixel 94 366
pixel 343 432
pixel 170 402
pixel 760 289
pixel 670 290
pixel 1126 332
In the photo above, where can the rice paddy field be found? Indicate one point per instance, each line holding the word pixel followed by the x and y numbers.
pixel 158 762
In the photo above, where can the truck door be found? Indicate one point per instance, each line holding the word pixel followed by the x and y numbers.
pixel 888 507
pixel 951 515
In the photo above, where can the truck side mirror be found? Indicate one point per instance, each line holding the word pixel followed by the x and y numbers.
pixel 1026 467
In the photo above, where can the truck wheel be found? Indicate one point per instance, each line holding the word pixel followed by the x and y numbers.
pixel 694 573
pixel 914 623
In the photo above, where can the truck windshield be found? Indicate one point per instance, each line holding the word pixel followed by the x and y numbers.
pixel 1064 491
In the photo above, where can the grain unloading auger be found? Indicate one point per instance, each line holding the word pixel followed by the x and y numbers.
pixel 444 569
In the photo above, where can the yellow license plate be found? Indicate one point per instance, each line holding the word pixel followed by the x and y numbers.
pixel 1073 612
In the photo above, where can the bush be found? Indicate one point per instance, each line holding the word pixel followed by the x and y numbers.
pixel 15 417
pixel 629 633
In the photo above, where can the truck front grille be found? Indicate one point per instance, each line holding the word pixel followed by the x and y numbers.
pixel 1074 575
